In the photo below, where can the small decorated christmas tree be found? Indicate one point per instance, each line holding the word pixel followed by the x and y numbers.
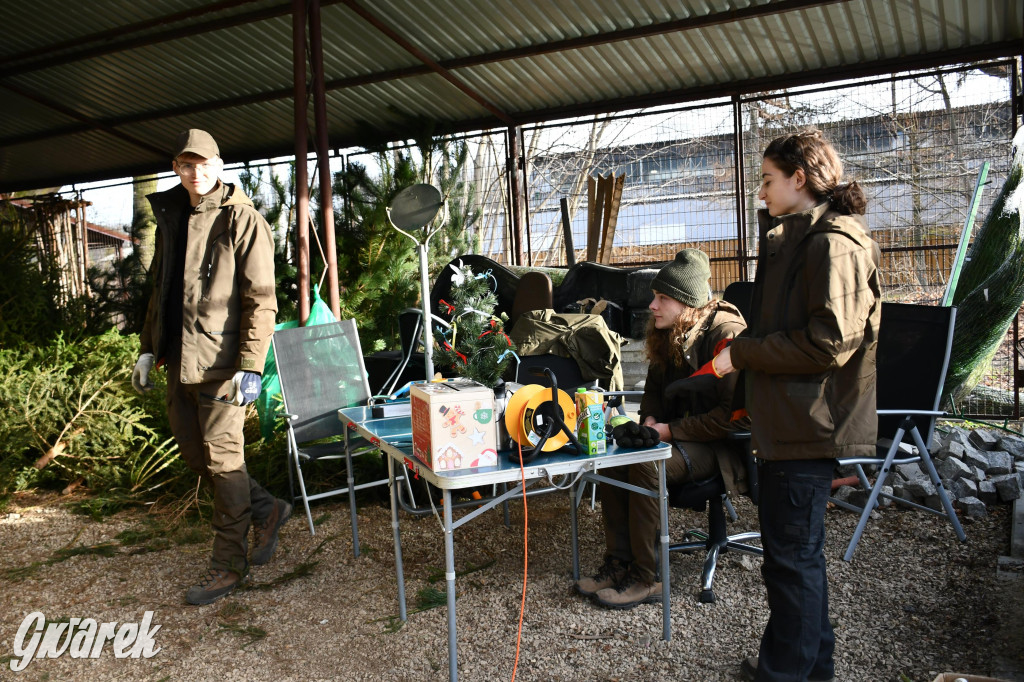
pixel 476 346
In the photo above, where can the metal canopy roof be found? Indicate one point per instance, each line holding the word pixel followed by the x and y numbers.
pixel 98 90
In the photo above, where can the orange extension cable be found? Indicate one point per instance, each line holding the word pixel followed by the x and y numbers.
pixel 526 544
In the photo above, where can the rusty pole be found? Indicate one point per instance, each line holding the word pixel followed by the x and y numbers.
pixel 514 198
pixel 301 180
pixel 323 161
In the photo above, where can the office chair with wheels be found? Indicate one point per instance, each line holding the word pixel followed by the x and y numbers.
pixel 710 495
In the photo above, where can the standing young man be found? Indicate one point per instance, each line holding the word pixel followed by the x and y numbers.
pixel 210 319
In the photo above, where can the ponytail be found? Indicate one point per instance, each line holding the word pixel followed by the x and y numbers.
pixel 849 199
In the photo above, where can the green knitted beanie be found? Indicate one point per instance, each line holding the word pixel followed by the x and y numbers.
pixel 686 278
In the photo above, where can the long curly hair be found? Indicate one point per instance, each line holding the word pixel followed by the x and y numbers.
pixel 664 347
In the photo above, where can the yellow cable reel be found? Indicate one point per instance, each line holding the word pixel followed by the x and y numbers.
pixel 521 418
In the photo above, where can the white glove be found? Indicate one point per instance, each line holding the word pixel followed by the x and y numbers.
pixel 140 375
pixel 247 387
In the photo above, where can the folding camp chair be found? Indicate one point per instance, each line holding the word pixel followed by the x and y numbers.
pixel 913 353
pixel 321 370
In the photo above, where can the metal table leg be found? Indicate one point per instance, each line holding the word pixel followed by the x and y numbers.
pixel 449 566
pixel 666 606
pixel 351 494
pixel 399 569
pixel 574 519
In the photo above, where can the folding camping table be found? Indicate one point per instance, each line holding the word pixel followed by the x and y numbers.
pixel 393 436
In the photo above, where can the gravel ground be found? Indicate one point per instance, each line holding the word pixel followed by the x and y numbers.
pixel 914 602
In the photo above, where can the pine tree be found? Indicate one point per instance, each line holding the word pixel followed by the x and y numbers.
pixel 476 346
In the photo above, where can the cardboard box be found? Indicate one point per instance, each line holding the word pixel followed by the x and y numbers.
pixel 453 424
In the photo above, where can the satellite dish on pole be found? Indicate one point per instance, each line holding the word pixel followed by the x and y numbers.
pixel 410 211
pixel 414 207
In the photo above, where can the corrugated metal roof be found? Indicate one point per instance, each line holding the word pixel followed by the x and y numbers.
pixel 101 94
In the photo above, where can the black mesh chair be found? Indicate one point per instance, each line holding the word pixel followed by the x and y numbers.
pixel 321 370
pixel 913 354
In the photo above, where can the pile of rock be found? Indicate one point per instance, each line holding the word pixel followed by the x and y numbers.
pixel 978 468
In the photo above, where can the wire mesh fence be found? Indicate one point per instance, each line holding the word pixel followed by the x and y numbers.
pixel 689 177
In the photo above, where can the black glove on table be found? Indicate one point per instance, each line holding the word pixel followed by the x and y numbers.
pixel 633 435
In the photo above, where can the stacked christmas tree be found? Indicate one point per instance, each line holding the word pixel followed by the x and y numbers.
pixel 476 345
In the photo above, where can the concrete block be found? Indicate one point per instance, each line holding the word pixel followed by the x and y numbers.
pixel 984 439
pixel 999 463
pixel 1012 444
pixel 1008 486
pixel 976 458
pixel 959 436
pixel 972 508
pixel 963 487
pixel 843 493
pixel 858 497
pixel 911 471
pixel 920 488
pixel 902 493
pixel 951 469
pixel 951 449
pixel 987 492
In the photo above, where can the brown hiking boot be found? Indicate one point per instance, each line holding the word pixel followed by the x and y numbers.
pixel 628 593
pixel 608 575
pixel 266 532
pixel 215 584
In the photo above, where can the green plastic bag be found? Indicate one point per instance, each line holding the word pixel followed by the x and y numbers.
pixel 268 405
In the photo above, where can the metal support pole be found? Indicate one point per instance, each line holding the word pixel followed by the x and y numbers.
pixel 301 149
pixel 512 162
pixel 738 178
pixel 524 193
pixel 428 341
pixel 323 160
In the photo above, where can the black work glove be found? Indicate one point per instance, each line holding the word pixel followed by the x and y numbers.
pixel 633 435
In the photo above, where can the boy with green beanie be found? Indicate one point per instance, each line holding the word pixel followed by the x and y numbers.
pixel 687 327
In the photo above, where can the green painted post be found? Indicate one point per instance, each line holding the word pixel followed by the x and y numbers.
pixel 965 237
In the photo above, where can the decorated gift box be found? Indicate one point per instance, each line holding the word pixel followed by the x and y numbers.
pixel 453 424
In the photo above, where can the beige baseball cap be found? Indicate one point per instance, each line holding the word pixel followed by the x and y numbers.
pixel 196 141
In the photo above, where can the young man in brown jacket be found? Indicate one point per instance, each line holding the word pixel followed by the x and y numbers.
pixel 210 319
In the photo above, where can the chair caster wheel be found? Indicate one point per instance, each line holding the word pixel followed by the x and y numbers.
pixel 707 597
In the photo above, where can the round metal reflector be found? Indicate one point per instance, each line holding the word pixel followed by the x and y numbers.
pixel 415 206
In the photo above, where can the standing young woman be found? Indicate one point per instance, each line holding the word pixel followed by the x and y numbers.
pixel 809 356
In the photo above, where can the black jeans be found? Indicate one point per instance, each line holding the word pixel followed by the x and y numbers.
pixel 798 641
